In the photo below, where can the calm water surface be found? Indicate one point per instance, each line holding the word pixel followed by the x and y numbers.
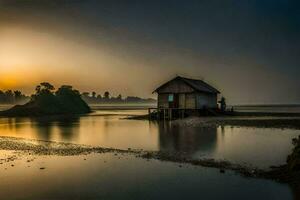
pixel 260 147
pixel 109 177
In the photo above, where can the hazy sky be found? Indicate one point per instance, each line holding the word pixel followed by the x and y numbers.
pixel 248 49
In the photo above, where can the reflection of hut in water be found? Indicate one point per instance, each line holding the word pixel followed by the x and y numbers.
pixel 187 139
pixel 181 96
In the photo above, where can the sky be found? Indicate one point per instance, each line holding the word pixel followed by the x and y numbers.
pixel 247 49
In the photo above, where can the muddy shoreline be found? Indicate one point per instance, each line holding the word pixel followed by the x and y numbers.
pixel 258 122
pixel 261 121
pixel 23 147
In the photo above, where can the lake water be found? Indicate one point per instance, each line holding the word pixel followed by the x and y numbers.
pixel 260 147
pixel 105 176
pixel 108 177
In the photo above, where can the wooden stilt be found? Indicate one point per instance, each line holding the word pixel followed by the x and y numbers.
pixel 149 113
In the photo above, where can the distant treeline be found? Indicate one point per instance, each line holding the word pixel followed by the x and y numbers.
pixel 13 97
pixel 17 97
pixel 93 98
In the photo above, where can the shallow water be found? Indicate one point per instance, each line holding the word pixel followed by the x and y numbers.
pixel 261 147
pixel 109 176
pixel 106 176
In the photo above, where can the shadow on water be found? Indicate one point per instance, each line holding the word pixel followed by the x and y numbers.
pixel 65 127
pixel 48 128
pixel 186 140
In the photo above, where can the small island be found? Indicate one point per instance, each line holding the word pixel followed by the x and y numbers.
pixel 48 101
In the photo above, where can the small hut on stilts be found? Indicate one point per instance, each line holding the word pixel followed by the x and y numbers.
pixel 184 96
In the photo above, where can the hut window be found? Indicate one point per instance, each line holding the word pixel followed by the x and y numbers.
pixel 171 98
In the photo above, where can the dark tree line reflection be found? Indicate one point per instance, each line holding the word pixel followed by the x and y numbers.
pixel 45 128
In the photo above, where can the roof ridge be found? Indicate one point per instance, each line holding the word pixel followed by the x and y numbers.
pixel 203 82
pixel 196 84
pixel 189 78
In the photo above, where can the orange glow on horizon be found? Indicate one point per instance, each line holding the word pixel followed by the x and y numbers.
pixel 9 81
pixel 17 78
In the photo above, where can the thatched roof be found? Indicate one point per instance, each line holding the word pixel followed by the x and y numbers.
pixel 196 84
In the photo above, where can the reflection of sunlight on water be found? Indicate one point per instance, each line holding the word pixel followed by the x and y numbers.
pixel 120 112
pixel 97 174
pixel 257 146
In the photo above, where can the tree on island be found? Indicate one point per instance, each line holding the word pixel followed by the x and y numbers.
pixel 44 88
pixel 47 101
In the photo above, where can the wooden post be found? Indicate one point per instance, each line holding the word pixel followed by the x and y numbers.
pixel 170 113
pixel 149 113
